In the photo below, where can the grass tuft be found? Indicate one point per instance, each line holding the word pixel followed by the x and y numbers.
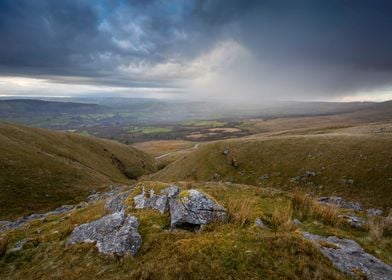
pixel 380 227
pixel 240 211
pixel 281 219
pixel 3 245
pixel 307 207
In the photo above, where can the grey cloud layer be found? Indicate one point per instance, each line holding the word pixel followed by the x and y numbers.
pixel 341 45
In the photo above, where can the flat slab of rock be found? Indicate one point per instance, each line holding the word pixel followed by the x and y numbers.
pixel 193 208
pixel 156 201
pixel 9 225
pixel 114 234
pixel 349 257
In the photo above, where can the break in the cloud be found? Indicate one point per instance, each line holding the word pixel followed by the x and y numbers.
pixel 232 49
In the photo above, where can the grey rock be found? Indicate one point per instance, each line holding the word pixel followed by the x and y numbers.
pixel 304 177
pixel 297 222
pixel 114 234
pixel 264 177
pixel 19 245
pixel 348 256
pixel 171 191
pixel 340 202
pixel 234 163
pixel 8 225
pixel 82 204
pixel 347 181
pixel 116 203
pixel 374 212
pixel 225 152
pixel 259 223
pixel 354 221
pixel 193 208
pixel 61 210
pixel 310 173
pixel 93 198
pixel 154 201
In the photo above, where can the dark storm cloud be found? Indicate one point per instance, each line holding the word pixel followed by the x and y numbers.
pixel 339 45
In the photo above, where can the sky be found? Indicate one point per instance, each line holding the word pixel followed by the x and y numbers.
pixel 236 50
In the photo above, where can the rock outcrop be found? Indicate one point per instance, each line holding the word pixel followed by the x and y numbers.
pixel 8 225
pixel 340 202
pixel 116 203
pixel 114 234
pixel 159 202
pixel 350 258
pixel 192 208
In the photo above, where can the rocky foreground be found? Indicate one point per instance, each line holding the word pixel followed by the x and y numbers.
pixel 117 233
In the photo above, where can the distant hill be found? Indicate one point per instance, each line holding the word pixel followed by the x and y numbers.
pixel 20 107
pixel 41 169
pixel 80 113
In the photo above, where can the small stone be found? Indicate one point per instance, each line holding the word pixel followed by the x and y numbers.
pixel 310 173
pixel 19 245
pixel 354 221
pixel 264 177
pixel 297 222
pixel 234 163
pixel 374 212
pixel 259 223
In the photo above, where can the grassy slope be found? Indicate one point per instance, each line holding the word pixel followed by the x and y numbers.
pixel 42 169
pixel 227 251
pixel 236 250
pixel 364 158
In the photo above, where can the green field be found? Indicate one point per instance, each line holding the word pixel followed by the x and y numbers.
pixel 149 130
pixel 206 123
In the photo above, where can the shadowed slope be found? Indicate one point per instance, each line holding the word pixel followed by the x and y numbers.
pixel 41 169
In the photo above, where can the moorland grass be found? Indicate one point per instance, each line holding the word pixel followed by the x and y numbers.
pixel 42 169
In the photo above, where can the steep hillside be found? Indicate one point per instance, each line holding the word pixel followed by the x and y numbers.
pixel 41 169
pixel 357 166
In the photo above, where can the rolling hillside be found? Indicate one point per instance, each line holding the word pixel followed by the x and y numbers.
pixel 42 169
pixel 354 165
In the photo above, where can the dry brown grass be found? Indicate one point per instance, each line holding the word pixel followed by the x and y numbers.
pixel 3 245
pixel 306 206
pixel 86 215
pixel 240 211
pixel 281 219
pixel 380 227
